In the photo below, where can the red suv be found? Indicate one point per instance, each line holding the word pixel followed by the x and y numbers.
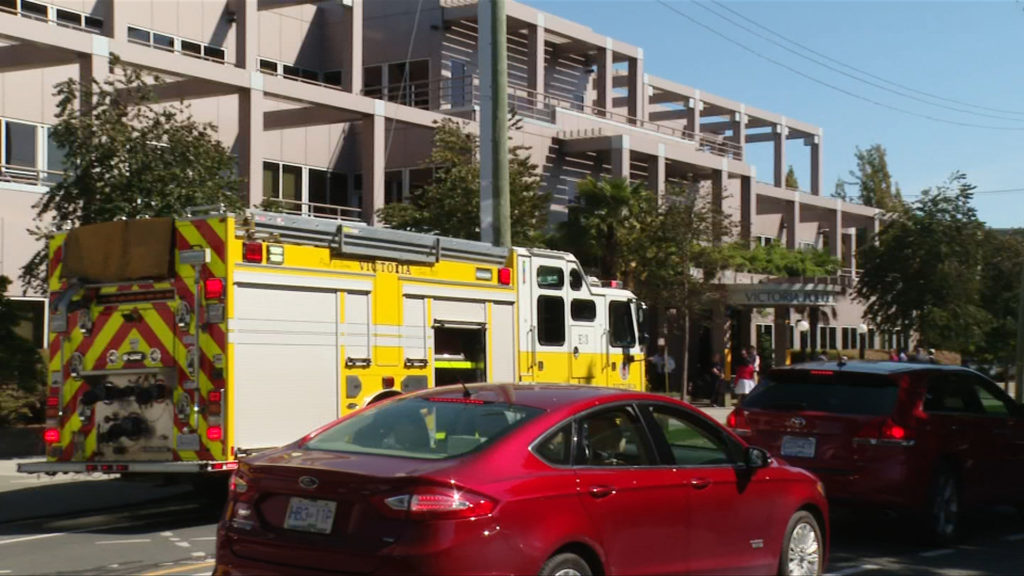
pixel 924 438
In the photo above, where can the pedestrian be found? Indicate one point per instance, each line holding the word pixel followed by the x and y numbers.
pixel 755 360
pixel 919 355
pixel 744 376
pixel 662 364
pixel 894 356
pixel 903 356
pixel 718 381
pixel 931 356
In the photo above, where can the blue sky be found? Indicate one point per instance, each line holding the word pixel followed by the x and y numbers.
pixel 969 53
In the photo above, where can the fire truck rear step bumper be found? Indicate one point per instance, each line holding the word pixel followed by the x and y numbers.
pixel 126 467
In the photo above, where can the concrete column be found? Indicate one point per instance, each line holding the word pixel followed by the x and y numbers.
pixel 748 208
pixel 815 314
pixel 792 219
pixel 693 107
pixel 93 68
pixel 115 27
pixel 605 70
pixel 637 99
pixel 816 176
pixel 739 130
pixel 355 39
pixel 250 142
pixel 719 329
pixel 835 232
pixel 247 33
pixel 656 173
pixel 781 331
pixel 779 140
pixel 373 134
pixel 620 157
pixel 719 183
pixel 535 58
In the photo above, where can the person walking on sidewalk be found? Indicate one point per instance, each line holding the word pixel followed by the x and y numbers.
pixel 744 376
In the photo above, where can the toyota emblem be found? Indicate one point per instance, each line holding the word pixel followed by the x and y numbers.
pixel 308 482
pixel 797 422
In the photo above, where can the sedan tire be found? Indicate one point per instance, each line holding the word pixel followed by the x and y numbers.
pixel 566 564
pixel 802 547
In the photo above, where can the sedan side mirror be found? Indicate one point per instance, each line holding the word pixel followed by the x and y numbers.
pixel 756 458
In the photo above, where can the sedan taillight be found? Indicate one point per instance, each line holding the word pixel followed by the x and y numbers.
pixel 436 503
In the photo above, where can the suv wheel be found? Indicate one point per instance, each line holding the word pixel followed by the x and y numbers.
pixel 944 508
pixel 802 547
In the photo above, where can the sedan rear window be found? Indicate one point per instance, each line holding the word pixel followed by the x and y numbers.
pixel 426 428
pixel 825 391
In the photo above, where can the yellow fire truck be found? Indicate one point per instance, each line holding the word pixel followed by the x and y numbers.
pixel 179 345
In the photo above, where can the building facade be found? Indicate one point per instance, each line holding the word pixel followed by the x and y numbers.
pixel 329 106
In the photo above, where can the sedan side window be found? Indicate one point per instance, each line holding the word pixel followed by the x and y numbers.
pixel 613 438
pixel 690 444
pixel 555 448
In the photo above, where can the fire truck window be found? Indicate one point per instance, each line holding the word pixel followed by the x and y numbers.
pixel 621 320
pixel 575 279
pixel 550 277
pixel 583 310
pixel 459 355
pixel 550 320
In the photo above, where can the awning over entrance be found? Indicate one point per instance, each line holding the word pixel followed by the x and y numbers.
pixel 783 294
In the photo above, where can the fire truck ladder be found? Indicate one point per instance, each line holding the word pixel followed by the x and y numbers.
pixel 357 240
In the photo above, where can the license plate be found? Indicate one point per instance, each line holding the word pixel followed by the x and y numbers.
pixel 309 515
pixel 799 446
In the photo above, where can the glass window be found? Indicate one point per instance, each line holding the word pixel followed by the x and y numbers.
pixel 620 319
pixel 11 5
pixel 825 391
pixel 34 9
pixel 994 401
pixel 422 428
pixel 68 17
pixel 332 77
pixel 268 66
pixel 54 158
pixel 613 437
pixel 949 392
pixel 139 35
pixel 309 75
pixel 556 448
pixel 291 184
pixel 271 180
pixel 393 186
pixel 550 320
pixel 338 184
pixel 20 140
pixel 190 47
pixel 373 79
pixel 420 178
pixel 163 41
pixel 93 23
pixel 575 279
pixel 689 443
pixel 318 190
pixel 550 277
pixel 583 310
pixel 292 71
pixel 214 52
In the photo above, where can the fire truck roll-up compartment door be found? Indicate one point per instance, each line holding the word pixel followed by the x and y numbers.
pixel 460 341
pixel 286 359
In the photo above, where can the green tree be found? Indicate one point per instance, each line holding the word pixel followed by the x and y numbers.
pixel 791 182
pixel 777 260
pixel 1003 255
pixel 604 225
pixel 128 156
pixel 923 275
pixel 840 190
pixel 21 366
pixel 450 204
pixel 873 180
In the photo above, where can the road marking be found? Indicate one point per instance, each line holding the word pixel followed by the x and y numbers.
pixel 854 570
pixel 167 533
pixel 933 553
pixel 201 538
pixel 199 553
pixel 180 569
pixel 5 571
pixel 1014 537
pixel 78 531
pixel 134 541
pixel 174 539
pixel 183 544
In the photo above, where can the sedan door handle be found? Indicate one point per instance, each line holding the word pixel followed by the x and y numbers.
pixel 601 491
pixel 700 483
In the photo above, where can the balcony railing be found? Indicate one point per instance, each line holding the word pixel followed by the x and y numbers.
pixel 30 176
pixel 52 14
pixel 300 208
pixel 459 93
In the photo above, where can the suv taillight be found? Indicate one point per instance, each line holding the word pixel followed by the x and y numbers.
pixel 883 432
pixel 737 420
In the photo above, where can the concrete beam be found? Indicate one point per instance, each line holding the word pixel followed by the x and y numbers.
pixel 760 137
pixel 28 56
pixel 272 4
pixel 308 116
pixel 189 89
pixel 667 115
pixel 662 97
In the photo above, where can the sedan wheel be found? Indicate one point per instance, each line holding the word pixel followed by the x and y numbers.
pixel 565 564
pixel 944 513
pixel 802 547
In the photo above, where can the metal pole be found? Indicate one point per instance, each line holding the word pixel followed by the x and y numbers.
pixel 499 119
pixel 1019 389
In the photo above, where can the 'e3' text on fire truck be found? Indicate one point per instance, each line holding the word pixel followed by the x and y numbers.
pixel 177 345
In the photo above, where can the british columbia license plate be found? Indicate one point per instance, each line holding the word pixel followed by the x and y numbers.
pixel 799 446
pixel 309 515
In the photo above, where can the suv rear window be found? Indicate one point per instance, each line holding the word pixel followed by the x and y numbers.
pixel 425 428
pixel 825 391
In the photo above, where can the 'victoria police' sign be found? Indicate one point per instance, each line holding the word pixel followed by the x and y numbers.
pixel 782 295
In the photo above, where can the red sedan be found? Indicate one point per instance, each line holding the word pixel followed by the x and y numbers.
pixel 522 479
